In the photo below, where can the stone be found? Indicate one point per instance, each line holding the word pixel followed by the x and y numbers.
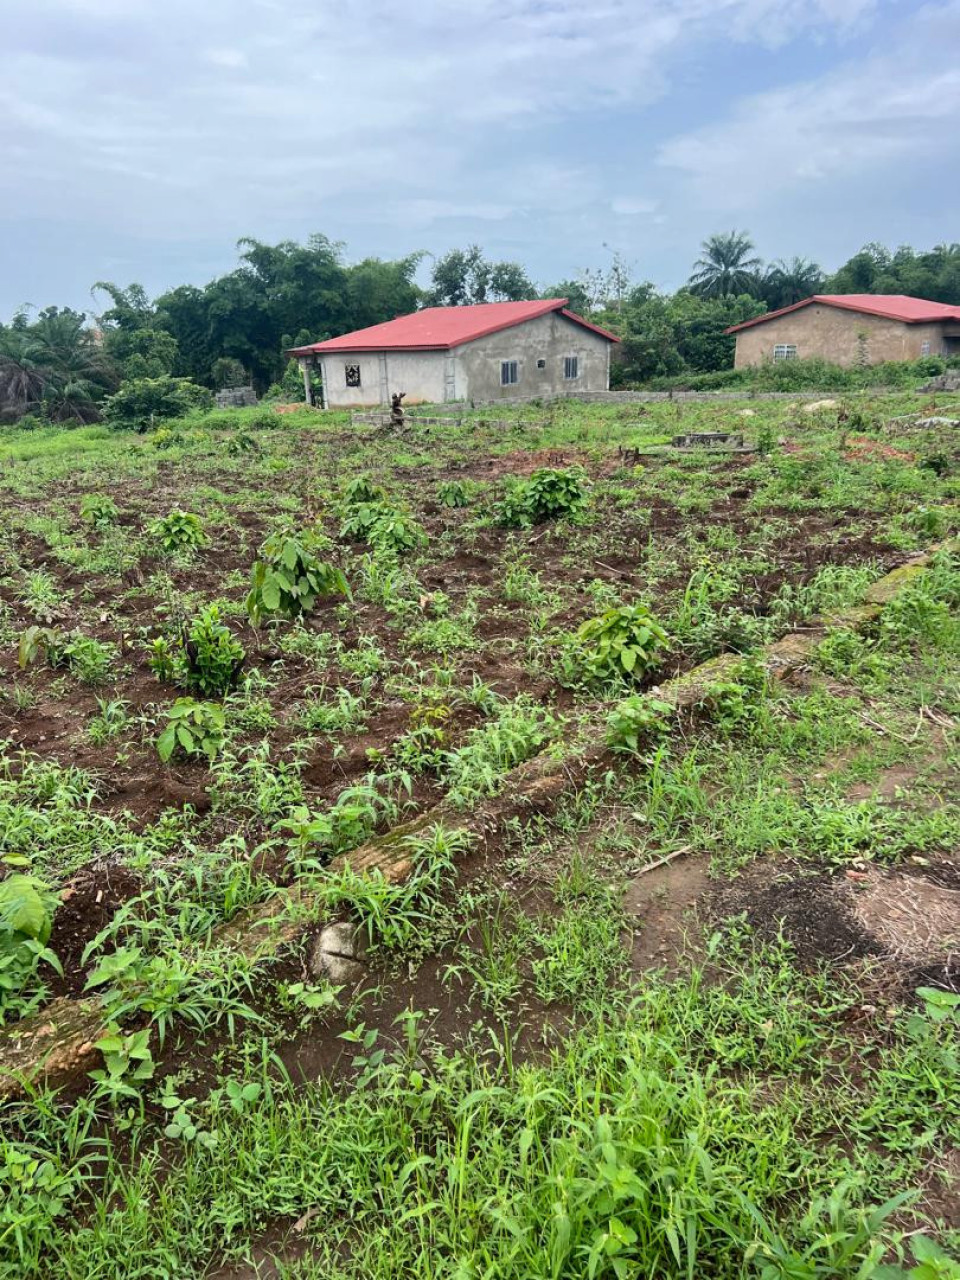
pixel 236 398
pixel 336 953
pixel 949 380
pixel 816 405
pixel 937 422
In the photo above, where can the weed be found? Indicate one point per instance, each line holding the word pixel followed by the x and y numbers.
pixel 193 728
pixel 178 531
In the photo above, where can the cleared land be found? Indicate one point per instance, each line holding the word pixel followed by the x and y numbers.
pixel 636 994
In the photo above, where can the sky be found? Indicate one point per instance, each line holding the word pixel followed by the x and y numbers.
pixel 142 138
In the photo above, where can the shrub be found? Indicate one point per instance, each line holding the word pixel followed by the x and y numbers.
pixel 452 493
pixel 141 402
pixel 87 658
pixel 637 719
pixel 26 919
pixel 212 658
pixel 178 531
pixel 362 490
pixel 194 728
pixel 383 527
pixel 99 510
pixel 547 495
pixel 625 642
pixel 290 577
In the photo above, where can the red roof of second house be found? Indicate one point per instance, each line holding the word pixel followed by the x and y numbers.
pixel 890 306
pixel 441 328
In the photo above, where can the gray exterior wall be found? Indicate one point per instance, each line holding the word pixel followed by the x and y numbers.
pixel 549 338
pixel 472 371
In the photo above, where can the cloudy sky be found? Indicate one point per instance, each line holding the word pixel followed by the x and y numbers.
pixel 141 138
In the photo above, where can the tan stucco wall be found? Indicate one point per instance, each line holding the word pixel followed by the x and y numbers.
pixel 831 333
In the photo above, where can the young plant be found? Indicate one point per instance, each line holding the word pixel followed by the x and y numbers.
pixel 99 510
pixel 637 720
pixel 622 643
pixel 211 658
pixel 547 495
pixel 26 920
pixel 194 728
pixel 178 531
pixel 290 578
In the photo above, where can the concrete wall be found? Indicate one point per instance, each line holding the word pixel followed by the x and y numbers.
pixel 549 338
pixel 419 373
pixel 472 372
pixel 832 333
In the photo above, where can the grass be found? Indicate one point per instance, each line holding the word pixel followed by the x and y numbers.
pixel 512 1095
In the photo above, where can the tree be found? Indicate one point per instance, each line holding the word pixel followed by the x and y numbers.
pixel 725 268
pixel 464 277
pixel 933 274
pixel 138 404
pixel 55 365
pixel 785 283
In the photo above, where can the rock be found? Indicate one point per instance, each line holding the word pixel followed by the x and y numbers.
pixel 816 405
pixel 937 422
pixel 747 413
pixel 947 381
pixel 337 953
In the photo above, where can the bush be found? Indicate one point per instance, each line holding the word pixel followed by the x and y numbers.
pixel 635 720
pixel 26 919
pixel 178 531
pixel 141 402
pixel 291 577
pixel 622 643
pixel 547 495
pixel 212 658
pixel 99 510
pixel 383 527
pixel 194 728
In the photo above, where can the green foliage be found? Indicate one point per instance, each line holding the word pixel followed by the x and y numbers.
pixel 178 531
pixel 346 824
pixel 291 577
pixel 637 720
pixel 383 527
pixel 517 731
pixel 211 658
pixel 193 728
pixel 548 494
pixel 99 510
pixel 142 402
pixel 622 643
pixel 87 658
pixel 362 491
pixel 26 919
pixel 452 493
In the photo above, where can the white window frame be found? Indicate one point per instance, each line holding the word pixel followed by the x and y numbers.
pixel 509 373
pixel 925 348
pixel 571 368
pixel 784 351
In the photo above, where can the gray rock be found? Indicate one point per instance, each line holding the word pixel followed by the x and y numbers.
pixel 337 953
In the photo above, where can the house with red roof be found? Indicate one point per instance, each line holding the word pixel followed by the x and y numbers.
pixel 850 329
pixel 488 352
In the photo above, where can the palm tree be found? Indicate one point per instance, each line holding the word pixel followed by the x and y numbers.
pixel 56 363
pixel 785 283
pixel 725 267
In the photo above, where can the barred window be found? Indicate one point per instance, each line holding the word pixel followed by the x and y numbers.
pixel 352 372
pixel 509 373
pixel 571 367
pixel 784 351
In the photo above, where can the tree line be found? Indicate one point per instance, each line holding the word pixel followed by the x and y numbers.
pixel 61 364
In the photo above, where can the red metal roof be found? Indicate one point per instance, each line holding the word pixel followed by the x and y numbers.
pixel 441 328
pixel 891 306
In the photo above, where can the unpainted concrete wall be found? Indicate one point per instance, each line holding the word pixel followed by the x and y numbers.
pixel 382 373
pixel 832 333
pixel 549 338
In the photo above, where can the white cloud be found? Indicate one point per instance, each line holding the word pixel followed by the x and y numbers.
pixel 227 57
pixel 628 206
pixel 899 104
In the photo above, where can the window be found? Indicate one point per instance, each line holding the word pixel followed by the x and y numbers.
pixel 570 367
pixel 352 372
pixel 784 351
pixel 541 364
pixel 924 348
pixel 509 373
